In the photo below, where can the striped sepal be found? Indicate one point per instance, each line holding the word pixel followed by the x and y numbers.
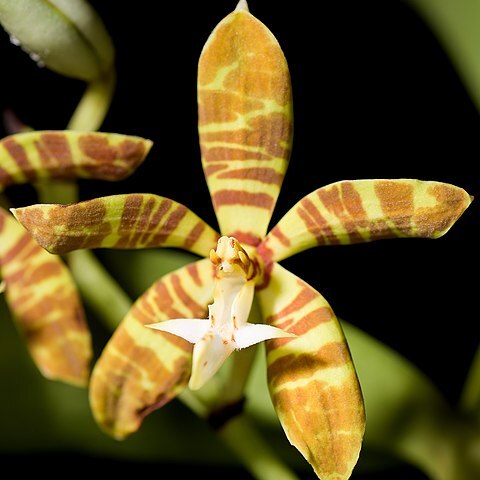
pixel 366 210
pixel 245 123
pixel 35 156
pixel 142 369
pixel 311 378
pixel 118 221
pixel 45 304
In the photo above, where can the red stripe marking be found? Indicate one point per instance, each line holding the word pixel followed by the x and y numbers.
pixel 303 325
pixel 240 197
pixel 195 308
pixel 264 175
pixel 305 296
pixel 25 241
pixel 163 208
pixel 319 226
pixel 17 152
pixel 5 178
pixel 280 236
pixel 246 237
pixel 163 301
pixel 170 225
pixel 330 197
pixel 45 270
pixel 156 220
pixel 353 203
pixel 226 154
pixel 57 147
pixel 3 220
pixel 194 234
pixel 130 212
pixel 96 147
pixel 211 169
pixel 193 272
pixel 141 229
pixel 331 200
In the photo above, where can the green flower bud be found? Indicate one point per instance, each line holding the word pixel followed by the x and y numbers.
pixel 66 36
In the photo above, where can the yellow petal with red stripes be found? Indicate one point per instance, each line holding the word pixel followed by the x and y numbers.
pixel 128 221
pixel 45 304
pixel 366 210
pixel 42 155
pixel 245 123
pixel 141 369
pixel 311 377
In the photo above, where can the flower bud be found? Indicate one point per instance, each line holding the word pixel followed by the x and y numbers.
pixel 66 36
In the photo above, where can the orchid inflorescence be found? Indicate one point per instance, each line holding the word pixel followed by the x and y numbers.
pixel 245 131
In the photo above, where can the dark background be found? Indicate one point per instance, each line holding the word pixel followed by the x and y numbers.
pixel 375 96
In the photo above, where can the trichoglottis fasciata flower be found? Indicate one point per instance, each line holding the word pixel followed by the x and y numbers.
pixel 39 289
pixel 245 129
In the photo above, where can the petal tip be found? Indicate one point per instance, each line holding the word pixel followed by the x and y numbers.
pixel 15 212
pixel 242 6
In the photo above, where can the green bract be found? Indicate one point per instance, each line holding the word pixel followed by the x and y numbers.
pixel 66 36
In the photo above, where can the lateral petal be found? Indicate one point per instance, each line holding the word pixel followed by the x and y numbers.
pixel 117 221
pixel 43 155
pixel 45 304
pixel 245 123
pixel 191 329
pixel 253 333
pixel 312 380
pixel 366 210
pixel 141 369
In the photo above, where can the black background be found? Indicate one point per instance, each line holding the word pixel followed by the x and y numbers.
pixel 375 96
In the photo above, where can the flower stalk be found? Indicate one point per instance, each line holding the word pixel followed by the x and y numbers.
pixel 257 456
pixel 94 105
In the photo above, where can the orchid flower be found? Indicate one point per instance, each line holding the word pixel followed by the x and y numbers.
pixel 38 286
pixel 245 129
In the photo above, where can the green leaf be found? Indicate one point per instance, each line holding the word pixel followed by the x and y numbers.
pixel 455 22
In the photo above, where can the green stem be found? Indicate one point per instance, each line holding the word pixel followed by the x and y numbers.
pixel 57 191
pixel 470 398
pixel 94 105
pixel 194 403
pixel 100 291
pixel 256 455
pixel 234 385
